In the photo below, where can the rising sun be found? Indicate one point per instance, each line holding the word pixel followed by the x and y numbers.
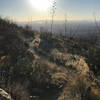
pixel 41 4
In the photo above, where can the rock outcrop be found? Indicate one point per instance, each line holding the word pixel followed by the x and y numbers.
pixel 4 95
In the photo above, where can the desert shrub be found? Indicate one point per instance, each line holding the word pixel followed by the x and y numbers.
pixel 59 80
pixel 46 74
pixel 80 88
pixel 93 58
pixel 18 91
pixel 57 57
pixel 41 73
pixel 19 71
pixel 23 68
pixel 90 51
pixel 94 94
pixel 11 42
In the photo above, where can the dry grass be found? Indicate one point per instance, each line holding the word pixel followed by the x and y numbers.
pixel 18 91
pixel 60 79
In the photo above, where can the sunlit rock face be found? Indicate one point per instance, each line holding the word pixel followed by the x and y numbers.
pixel 4 95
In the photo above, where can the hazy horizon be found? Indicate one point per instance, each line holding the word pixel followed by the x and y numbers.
pixel 77 27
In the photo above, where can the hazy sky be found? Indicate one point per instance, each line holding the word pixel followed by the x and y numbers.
pixel 24 10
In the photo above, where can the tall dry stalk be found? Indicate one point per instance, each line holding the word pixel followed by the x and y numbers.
pixel 53 10
pixel 65 24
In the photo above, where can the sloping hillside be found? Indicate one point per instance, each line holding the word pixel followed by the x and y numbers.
pixel 42 66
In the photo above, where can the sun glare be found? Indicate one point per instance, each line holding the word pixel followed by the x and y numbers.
pixel 41 4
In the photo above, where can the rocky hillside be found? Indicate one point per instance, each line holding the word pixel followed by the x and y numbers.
pixel 42 66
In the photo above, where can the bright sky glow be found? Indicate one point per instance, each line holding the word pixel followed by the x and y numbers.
pixel 40 4
pixel 23 10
